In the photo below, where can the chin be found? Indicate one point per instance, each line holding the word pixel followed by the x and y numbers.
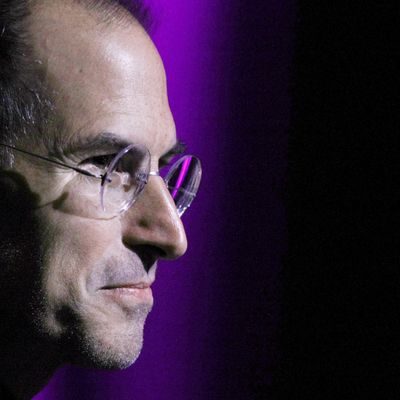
pixel 107 343
pixel 96 353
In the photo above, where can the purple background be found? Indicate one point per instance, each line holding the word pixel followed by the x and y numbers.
pixel 214 327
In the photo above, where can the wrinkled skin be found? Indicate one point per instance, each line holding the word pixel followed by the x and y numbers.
pixel 57 261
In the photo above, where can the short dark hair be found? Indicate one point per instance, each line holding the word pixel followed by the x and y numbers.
pixel 25 105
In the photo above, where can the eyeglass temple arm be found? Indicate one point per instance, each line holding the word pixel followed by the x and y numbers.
pixel 81 171
pixel 77 169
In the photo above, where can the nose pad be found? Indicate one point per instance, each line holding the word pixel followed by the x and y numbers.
pixel 154 221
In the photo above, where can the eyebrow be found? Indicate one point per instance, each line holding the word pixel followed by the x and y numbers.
pixel 111 140
pixel 103 140
pixel 178 148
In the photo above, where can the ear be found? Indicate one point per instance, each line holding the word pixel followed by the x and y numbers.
pixel 16 202
pixel 15 191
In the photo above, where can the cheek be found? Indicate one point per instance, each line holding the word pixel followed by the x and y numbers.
pixel 71 247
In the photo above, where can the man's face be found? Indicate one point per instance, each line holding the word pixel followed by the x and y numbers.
pixel 105 79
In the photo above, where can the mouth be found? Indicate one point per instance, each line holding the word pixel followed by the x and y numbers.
pixel 127 293
pixel 140 285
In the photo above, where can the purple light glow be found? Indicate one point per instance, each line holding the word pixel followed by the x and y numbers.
pixel 182 174
pixel 227 68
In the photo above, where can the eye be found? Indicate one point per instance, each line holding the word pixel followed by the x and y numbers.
pixel 101 161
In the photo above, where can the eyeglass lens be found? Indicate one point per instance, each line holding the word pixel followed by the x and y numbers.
pixel 125 178
pixel 183 180
pixel 128 173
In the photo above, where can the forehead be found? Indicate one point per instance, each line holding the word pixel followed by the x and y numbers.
pixel 104 78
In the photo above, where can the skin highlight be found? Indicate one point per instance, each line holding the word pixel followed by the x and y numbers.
pixel 104 79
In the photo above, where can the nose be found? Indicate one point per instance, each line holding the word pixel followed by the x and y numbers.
pixel 153 221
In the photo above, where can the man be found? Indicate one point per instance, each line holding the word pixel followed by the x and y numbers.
pixel 85 128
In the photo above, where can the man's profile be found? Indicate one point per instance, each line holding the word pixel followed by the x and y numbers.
pixel 84 215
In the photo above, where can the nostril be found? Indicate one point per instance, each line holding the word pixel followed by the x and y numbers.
pixel 148 254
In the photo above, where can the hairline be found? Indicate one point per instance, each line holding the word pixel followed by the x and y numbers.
pixel 116 11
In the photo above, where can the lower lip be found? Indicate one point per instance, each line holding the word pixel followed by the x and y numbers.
pixel 135 295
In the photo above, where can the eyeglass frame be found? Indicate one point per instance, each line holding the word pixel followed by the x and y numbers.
pixel 77 169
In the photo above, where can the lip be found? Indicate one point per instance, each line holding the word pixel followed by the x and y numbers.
pixel 139 285
pixel 128 294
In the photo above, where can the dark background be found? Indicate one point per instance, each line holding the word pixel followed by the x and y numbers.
pixel 290 288
pixel 341 274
